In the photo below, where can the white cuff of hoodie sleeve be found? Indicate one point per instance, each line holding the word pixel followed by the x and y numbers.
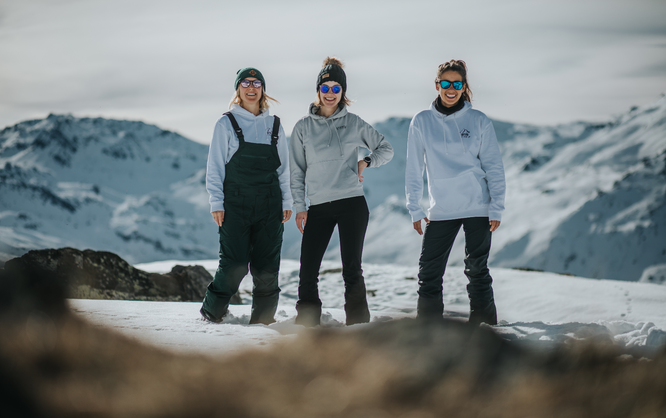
pixel 495 216
pixel 417 216
pixel 216 206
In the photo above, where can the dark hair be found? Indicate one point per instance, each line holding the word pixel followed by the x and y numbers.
pixel 460 67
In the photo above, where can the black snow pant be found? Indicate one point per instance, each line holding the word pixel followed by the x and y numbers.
pixel 250 235
pixel 437 242
pixel 351 216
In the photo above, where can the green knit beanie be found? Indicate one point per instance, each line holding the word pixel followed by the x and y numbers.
pixel 244 73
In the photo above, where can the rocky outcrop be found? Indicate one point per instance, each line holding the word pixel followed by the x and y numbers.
pixel 103 275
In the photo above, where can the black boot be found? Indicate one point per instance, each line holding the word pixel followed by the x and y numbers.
pixel 208 317
pixel 486 314
pixel 357 312
pixel 430 308
pixel 309 315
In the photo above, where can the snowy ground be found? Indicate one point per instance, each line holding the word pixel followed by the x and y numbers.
pixel 532 306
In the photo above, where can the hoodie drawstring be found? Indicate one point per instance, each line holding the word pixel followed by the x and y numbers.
pixel 331 137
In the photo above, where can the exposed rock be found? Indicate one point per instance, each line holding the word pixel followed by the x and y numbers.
pixel 103 275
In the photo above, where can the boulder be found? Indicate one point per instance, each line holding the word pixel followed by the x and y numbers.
pixel 92 274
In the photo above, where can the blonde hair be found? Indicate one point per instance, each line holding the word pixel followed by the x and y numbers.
pixel 263 102
pixel 344 100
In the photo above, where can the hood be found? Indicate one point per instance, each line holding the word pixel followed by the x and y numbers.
pixel 452 117
pixel 252 126
pixel 339 112
pixel 241 112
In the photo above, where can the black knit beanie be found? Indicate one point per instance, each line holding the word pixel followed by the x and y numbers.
pixel 332 72
pixel 244 73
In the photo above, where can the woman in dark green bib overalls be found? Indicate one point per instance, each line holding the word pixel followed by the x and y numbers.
pixel 247 179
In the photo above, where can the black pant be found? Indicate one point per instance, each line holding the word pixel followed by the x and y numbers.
pixel 351 216
pixel 437 242
pixel 250 235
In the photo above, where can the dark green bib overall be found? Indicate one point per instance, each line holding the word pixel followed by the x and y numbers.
pixel 252 229
pixel 253 168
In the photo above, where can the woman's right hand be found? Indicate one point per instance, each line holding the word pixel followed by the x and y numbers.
pixel 301 220
pixel 417 225
pixel 218 216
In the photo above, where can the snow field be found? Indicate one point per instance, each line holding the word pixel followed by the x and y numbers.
pixel 532 306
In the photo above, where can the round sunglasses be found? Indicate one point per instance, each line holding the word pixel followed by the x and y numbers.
pixel 335 89
pixel 255 83
pixel 445 84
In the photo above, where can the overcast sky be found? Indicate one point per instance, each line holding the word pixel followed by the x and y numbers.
pixel 173 63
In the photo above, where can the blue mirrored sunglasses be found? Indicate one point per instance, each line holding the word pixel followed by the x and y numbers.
pixel 255 83
pixel 458 85
pixel 335 89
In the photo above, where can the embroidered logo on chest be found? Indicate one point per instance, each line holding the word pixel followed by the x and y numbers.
pixel 464 133
pixel 341 127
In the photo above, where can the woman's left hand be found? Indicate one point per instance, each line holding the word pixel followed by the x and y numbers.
pixel 361 166
pixel 286 215
pixel 494 225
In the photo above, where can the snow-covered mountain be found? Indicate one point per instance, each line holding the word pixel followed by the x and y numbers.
pixel 119 186
pixel 582 198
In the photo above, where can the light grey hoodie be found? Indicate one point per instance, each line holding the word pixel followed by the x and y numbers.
pixel 323 155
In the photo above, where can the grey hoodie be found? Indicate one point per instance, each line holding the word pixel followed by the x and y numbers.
pixel 323 155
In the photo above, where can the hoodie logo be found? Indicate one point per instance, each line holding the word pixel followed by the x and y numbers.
pixel 464 133
pixel 341 127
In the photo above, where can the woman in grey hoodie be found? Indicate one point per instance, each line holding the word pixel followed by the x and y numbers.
pixel 324 164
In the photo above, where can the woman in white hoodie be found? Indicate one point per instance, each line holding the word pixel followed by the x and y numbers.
pixel 247 178
pixel 324 164
pixel 458 148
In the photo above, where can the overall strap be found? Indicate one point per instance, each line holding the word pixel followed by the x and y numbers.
pixel 276 130
pixel 234 124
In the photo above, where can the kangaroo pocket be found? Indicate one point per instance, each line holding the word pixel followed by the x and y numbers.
pixel 330 178
pixel 456 194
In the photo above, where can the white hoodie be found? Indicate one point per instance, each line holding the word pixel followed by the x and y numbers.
pixel 256 129
pixel 463 162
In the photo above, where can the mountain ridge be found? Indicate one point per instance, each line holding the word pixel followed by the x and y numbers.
pixel 121 186
pixel 137 190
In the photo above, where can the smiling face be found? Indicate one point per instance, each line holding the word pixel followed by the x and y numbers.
pixel 250 96
pixel 330 100
pixel 450 96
